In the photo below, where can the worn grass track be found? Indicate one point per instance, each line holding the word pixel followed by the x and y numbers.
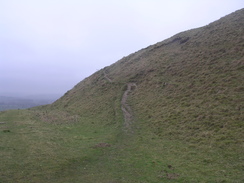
pixel 187 118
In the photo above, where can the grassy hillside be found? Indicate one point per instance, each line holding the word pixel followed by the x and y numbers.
pixel 171 112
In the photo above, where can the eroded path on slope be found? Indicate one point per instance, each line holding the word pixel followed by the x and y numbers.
pixel 106 77
pixel 128 118
pixel 126 109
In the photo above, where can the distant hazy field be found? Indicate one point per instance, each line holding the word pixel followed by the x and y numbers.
pixel 7 103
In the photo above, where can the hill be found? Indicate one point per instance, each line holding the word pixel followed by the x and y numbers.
pixel 189 84
pixel 171 112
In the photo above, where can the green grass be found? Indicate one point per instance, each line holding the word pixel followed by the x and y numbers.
pixel 187 109
pixel 37 151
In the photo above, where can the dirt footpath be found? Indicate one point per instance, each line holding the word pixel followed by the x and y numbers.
pixel 126 108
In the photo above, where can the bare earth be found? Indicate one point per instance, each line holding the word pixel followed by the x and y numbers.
pixel 126 108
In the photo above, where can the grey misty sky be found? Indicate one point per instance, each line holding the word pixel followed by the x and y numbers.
pixel 48 46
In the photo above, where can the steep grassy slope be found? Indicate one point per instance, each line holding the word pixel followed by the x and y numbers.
pixel 190 84
pixel 189 87
pixel 185 95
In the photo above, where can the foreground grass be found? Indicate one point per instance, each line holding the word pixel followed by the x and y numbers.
pixel 36 151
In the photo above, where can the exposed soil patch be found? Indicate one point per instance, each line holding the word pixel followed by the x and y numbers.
pixel 126 108
pixel 170 176
pixel 169 173
pixel 102 145
pixel 6 131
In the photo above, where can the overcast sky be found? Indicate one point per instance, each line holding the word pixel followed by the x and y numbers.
pixel 48 46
